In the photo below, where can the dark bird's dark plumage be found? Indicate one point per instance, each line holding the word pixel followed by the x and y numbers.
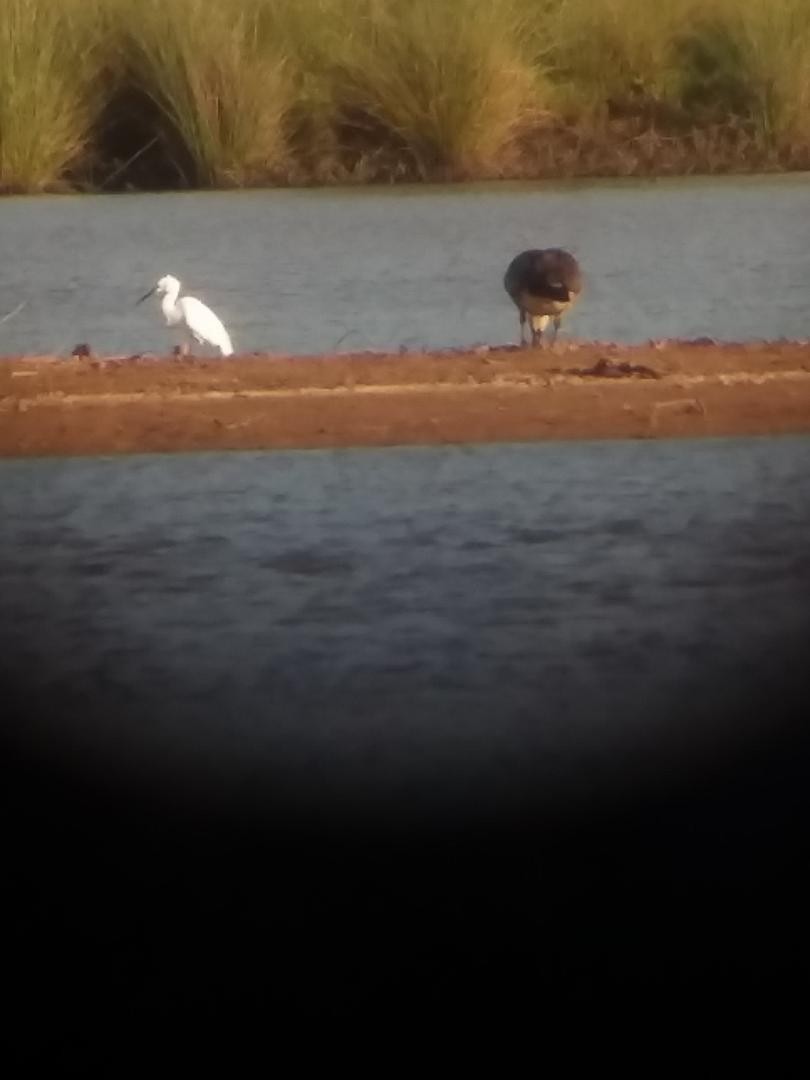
pixel 544 284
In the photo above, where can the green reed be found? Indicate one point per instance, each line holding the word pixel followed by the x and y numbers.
pixel 247 92
pixel 50 92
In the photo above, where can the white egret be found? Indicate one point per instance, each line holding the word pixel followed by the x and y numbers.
pixel 543 284
pixel 192 317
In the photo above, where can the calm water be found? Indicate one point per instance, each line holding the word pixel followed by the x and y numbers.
pixel 305 271
pixel 418 624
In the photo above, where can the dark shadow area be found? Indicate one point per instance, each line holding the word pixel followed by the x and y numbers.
pixel 136 148
pixel 138 916
pixel 266 774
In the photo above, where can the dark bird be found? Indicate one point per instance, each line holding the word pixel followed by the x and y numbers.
pixel 544 284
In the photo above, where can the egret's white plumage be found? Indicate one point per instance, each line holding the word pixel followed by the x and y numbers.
pixel 191 316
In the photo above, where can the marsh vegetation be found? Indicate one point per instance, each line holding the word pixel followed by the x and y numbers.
pixel 108 95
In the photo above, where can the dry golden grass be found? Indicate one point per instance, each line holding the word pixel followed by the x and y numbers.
pixel 249 92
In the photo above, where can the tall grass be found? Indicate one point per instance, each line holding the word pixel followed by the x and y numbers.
pixel 50 95
pixel 699 60
pixel 753 59
pixel 428 88
pixel 220 89
pixel 240 92
pixel 610 56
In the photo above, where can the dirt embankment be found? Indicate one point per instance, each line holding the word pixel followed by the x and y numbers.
pixel 89 405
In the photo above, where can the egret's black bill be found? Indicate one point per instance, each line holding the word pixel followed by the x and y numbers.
pixel 145 297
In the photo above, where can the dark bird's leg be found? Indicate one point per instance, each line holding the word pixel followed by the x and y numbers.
pixel 522 327
pixel 556 327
